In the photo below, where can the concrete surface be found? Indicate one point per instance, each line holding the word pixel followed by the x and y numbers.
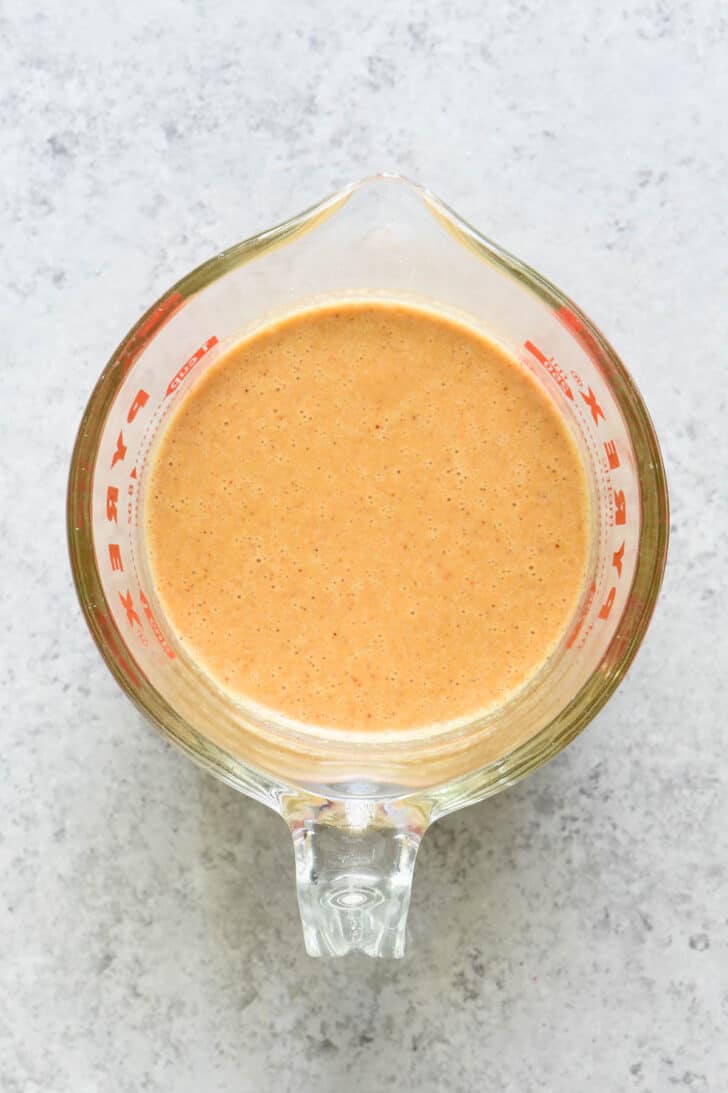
pixel 568 935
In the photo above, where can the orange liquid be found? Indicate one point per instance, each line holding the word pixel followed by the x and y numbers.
pixel 367 515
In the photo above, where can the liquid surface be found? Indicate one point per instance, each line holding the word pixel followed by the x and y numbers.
pixel 368 516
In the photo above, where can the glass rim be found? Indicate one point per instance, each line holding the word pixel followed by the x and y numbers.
pixel 653 532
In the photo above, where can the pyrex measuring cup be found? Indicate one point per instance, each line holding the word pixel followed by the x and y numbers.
pixel 358 803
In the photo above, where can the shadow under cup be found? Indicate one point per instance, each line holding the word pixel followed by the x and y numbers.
pixel 384 238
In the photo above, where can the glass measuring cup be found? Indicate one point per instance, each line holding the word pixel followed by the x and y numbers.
pixel 358 803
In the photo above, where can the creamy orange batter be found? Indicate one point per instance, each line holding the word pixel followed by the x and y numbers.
pixel 367 515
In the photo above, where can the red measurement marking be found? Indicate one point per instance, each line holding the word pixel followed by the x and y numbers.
pixel 607 605
pixel 620 507
pixel 591 401
pixel 612 457
pixel 128 604
pixel 581 333
pixel 112 512
pixel 141 398
pixel 582 615
pixel 189 365
pixel 153 323
pixel 108 632
pixel 540 357
pixel 120 452
pixel 155 628
pixel 132 472
pixel 115 557
pixel 551 367
pixel 617 559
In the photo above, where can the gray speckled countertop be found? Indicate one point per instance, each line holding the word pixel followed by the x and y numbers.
pixel 568 935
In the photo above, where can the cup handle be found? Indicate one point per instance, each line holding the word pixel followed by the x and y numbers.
pixel 354 865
